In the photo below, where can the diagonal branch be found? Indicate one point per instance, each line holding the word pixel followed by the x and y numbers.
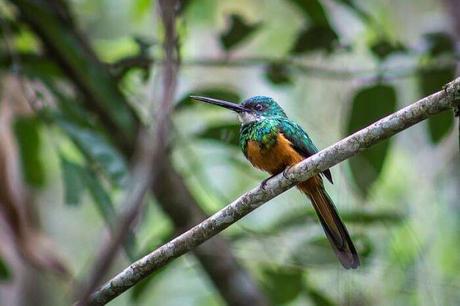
pixel 441 101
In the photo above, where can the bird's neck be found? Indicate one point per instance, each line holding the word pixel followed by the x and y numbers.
pixel 247 118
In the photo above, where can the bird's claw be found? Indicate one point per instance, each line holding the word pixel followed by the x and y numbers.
pixel 264 182
pixel 285 172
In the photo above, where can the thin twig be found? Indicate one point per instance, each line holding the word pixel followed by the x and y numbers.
pixel 342 150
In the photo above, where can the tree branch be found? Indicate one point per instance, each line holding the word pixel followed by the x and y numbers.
pixel 443 100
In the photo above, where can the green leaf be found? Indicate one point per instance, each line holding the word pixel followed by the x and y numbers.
pixel 440 125
pixel 227 133
pixel 141 8
pixel 278 74
pixel 221 93
pixel 106 208
pixel 439 43
pixel 314 38
pixel 313 10
pixel 383 48
pixel 360 217
pixel 183 5
pixel 317 297
pixel 32 65
pixel 318 251
pixel 237 32
pixel 358 11
pixel 5 273
pixel 97 149
pixel 73 176
pixel 282 285
pixel 431 81
pixel 369 105
pixel 27 134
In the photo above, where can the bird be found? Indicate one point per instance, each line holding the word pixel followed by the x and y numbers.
pixel 274 143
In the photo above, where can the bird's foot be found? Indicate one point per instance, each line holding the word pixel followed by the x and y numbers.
pixel 265 181
pixel 285 172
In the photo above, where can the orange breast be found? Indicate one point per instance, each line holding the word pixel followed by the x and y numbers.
pixel 275 159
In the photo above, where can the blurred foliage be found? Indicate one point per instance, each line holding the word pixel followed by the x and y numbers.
pixel 72 176
pixel 383 48
pixel 278 74
pixel 98 150
pixel 237 32
pixel 27 135
pixel 281 284
pixel 222 93
pixel 430 80
pixel 226 132
pixel 5 273
pixel 368 105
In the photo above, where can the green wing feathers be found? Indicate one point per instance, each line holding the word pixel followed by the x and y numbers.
pixel 301 142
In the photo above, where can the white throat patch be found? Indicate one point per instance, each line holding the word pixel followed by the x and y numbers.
pixel 245 117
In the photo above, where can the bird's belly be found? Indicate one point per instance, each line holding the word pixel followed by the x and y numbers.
pixel 275 158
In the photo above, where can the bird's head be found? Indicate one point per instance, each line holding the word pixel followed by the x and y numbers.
pixel 253 109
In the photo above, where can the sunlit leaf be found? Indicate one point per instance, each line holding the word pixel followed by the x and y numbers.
pixel 221 93
pixel 282 284
pixel 383 48
pixel 141 7
pixel 5 273
pixel 27 134
pixel 237 32
pixel 368 105
pixel 314 38
pixel 430 81
pixel 73 176
pixel 278 74
pixel 99 150
pixel 227 133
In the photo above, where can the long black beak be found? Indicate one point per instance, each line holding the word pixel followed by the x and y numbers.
pixel 229 105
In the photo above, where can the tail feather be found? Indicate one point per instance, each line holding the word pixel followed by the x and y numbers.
pixel 334 228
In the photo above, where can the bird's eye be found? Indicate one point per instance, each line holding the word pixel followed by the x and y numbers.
pixel 259 107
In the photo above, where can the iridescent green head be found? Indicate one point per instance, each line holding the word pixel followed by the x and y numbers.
pixel 253 109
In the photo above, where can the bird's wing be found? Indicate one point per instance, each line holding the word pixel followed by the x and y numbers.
pixel 301 142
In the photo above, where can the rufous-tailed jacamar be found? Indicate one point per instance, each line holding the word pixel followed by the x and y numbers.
pixel 273 143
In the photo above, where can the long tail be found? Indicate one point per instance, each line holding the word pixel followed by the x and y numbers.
pixel 334 228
